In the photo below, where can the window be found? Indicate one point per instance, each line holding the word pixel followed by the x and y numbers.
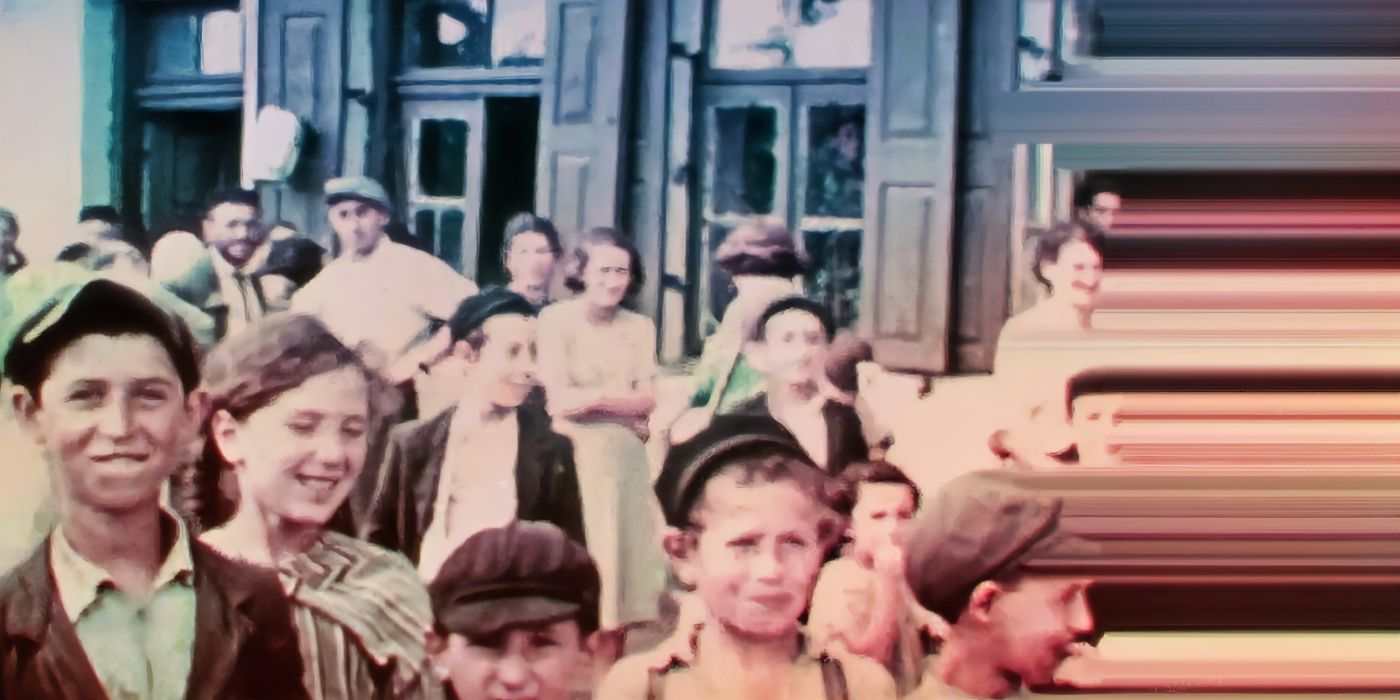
pixel 476 33
pixel 756 34
pixel 1065 40
pixel 221 43
pixel 442 158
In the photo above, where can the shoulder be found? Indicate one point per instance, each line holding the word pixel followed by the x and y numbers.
pixel 559 313
pixel 412 432
pixel 636 322
pixel 389 571
pixel 866 679
pixel 629 679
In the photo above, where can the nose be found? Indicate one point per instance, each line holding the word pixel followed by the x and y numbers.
pixel 1081 619
pixel 115 420
pixel 513 672
pixel 767 566
pixel 332 450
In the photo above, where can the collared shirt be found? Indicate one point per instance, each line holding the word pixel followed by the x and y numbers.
pixel 386 299
pixel 238 287
pixel 139 649
pixel 477 488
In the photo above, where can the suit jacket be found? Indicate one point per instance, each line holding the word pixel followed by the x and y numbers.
pixel 845 439
pixel 401 509
pixel 245 647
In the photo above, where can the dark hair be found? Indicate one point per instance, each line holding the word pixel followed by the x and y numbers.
pixel 770 470
pixel 105 213
pixel 603 235
pixel 761 247
pixel 794 303
pixel 103 308
pixel 529 223
pixel 248 371
pixel 1086 191
pixel 1048 245
pixel 74 252
pixel 9 221
pixel 848 350
pixel 872 472
pixel 297 259
pixel 246 198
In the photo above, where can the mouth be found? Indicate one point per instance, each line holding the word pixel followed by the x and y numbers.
pixel 321 486
pixel 129 457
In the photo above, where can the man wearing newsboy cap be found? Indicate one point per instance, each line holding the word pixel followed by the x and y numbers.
pixel 979 557
pixel 378 296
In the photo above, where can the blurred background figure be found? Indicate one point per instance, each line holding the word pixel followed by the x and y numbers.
pixel 1096 204
pixel 291 264
pixel 11 259
pixel 530 251
pixel 282 230
pixel 98 222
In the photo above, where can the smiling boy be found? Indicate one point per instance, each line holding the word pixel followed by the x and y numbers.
pixel 749 527
pixel 119 601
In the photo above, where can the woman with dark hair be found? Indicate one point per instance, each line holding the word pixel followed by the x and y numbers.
pixel 290 410
pixel 598 365
pixel 530 249
pixel 1035 430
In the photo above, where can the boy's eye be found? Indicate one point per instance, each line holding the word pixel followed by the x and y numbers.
pixel 744 543
pixel 542 640
pixel 794 541
pixel 85 395
pixel 878 515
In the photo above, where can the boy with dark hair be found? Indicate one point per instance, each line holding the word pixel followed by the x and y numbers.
pixel 979 557
pixel 515 612
pixel 119 601
pixel 749 527
pixel 483 462
pixel 99 222
pixel 862 604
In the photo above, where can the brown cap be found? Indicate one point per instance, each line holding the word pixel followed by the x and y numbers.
pixel 763 247
pixel 976 528
pixel 520 574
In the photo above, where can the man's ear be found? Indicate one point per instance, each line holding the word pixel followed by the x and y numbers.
pixel 463 350
pixel 983 598
pixel 223 430
pixel 436 646
pixel 26 411
pixel 680 547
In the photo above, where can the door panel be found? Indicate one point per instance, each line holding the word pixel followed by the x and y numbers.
pixel 445 159
pixel 188 155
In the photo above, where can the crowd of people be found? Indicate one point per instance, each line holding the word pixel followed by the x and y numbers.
pixel 371 479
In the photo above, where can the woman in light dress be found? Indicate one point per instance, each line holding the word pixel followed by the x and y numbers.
pixel 290 411
pixel 597 362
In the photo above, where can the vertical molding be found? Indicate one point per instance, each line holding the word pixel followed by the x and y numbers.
pixel 252 92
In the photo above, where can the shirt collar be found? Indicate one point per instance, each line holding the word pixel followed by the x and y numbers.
pixel 80 582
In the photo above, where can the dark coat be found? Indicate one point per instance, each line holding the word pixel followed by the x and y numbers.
pixel 845 439
pixel 401 509
pixel 245 647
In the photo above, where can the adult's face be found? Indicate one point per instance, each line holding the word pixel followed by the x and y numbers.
pixel 530 260
pixel 297 458
pixel 234 232
pixel 1037 622
pixel 503 370
pixel 1075 276
pixel 358 224
pixel 607 275
pixel 1103 210
pixel 113 417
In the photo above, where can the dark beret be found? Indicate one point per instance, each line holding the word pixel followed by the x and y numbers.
pixel 473 312
pixel 978 527
pixel 726 439
pixel 297 259
pixel 796 303
pixel 523 573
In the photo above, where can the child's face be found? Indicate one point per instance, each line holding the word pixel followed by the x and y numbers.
pixel 113 417
pixel 756 555
pixel 794 346
pixel 881 515
pixel 542 662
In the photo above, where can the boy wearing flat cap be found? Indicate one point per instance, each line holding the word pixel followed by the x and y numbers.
pixel 514 610
pixel 748 528
pixel 485 461
pixel 978 557
pixel 119 601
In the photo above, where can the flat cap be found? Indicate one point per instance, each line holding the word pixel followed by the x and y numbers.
pixel 726 439
pixel 474 311
pixel 977 527
pixel 39 298
pixel 358 187
pixel 520 574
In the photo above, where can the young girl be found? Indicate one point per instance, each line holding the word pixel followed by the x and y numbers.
pixel 598 366
pixel 290 407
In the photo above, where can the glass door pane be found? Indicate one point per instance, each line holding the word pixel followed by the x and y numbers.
pixel 444 161
pixel 830 186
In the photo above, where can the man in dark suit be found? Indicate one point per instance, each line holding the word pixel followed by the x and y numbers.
pixel 119 600
pixel 490 459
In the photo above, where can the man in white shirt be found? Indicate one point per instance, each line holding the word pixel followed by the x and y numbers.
pixel 379 297
pixel 490 459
